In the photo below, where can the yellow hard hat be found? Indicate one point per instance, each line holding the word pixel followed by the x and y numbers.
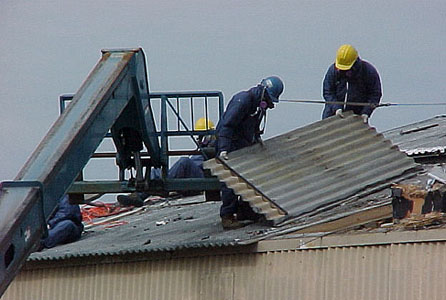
pixel 201 125
pixel 346 57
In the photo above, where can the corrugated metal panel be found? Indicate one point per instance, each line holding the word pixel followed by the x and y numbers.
pixel 417 271
pixel 312 166
pixel 244 188
pixel 425 137
pixel 359 272
pixel 397 271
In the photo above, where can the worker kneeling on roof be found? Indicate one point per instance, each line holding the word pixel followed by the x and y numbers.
pixel 351 79
pixel 239 127
pixel 185 167
pixel 192 166
pixel 65 226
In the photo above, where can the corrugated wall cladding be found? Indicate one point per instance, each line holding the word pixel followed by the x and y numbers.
pixel 312 166
pixel 397 271
pixel 425 137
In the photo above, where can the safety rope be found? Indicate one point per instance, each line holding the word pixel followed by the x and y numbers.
pixel 363 103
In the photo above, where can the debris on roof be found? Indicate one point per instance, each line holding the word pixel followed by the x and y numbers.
pixel 89 213
pixel 431 220
pixel 414 200
pixel 408 199
pixel 110 212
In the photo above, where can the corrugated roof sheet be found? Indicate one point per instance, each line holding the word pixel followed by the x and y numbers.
pixel 312 166
pixel 425 137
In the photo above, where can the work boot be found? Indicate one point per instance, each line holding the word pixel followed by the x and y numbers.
pixel 245 212
pixel 130 200
pixel 230 222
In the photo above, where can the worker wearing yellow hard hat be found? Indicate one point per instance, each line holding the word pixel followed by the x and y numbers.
pixel 351 80
pixel 206 141
pixel 204 124
pixel 346 57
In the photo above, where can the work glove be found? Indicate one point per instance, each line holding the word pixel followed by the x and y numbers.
pixel 339 113
pixel 224 155
pixel 365 118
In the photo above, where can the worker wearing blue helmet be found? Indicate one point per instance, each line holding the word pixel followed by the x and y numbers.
pixel 239 127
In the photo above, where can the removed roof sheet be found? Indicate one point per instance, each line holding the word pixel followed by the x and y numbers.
pixel 311 167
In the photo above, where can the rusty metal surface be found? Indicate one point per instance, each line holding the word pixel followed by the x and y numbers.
pixel 312 167
pixel 421 138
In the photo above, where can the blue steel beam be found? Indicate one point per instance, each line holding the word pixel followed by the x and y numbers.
pixel 117 79
pixel 154 187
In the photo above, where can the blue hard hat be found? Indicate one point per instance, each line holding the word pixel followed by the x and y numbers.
pixel 274 87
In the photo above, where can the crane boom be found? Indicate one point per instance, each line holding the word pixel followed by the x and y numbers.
pixel 118 83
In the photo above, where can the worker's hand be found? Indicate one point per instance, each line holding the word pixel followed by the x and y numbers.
pixel 365 118
pixel 339 113
pixel 224 155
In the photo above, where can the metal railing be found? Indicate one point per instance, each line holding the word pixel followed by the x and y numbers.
pixel 175 115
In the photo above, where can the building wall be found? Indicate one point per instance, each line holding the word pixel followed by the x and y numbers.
pixel 392 271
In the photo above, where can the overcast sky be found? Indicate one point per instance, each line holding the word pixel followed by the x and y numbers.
pixel 47 48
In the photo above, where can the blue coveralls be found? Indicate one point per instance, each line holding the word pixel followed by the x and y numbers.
pixel 364 85
pixel 65 226
pixel 238 128
pixel 185 167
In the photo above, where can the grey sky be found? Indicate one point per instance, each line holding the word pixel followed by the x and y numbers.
pixel 48 47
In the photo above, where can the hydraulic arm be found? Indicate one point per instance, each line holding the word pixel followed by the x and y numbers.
pixel 114 97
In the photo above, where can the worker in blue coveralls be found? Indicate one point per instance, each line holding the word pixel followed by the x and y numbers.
pixel 65 226
pixel 185 167
pixel 239 127
pixel 351 79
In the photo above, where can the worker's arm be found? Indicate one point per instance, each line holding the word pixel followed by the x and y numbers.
pixel 373 87
pixel 329 93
